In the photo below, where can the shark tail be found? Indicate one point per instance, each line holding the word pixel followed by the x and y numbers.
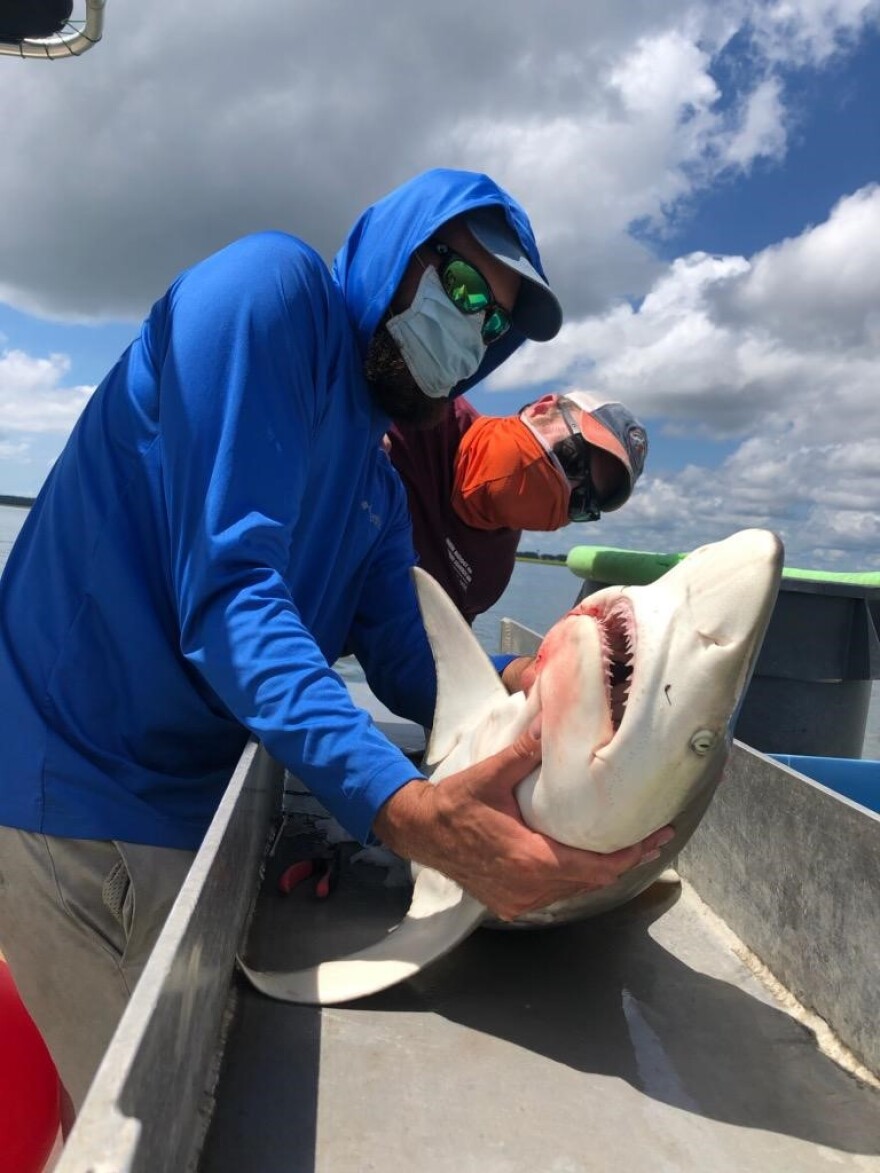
pixel 441 914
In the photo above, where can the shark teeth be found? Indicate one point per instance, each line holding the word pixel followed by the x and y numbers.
pixel 617 630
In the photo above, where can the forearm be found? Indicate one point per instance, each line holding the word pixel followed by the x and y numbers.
pixel 404 822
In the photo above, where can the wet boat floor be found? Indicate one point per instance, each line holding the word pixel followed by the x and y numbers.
pixel 637 1039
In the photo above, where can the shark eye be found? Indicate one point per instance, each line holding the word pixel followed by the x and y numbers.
pixel 702 741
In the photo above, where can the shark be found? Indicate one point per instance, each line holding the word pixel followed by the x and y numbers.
pixel 637 689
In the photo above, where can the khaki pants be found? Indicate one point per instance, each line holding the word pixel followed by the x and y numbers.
pixel 78 920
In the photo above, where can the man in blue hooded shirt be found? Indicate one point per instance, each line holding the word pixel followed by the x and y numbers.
pixel 222 523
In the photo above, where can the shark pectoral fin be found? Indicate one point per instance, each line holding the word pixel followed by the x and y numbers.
pixel 441 915
pixel 467 682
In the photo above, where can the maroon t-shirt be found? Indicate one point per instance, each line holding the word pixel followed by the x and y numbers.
pixel 472 565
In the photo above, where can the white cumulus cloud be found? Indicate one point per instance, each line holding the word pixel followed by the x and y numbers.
pixel 33 397
pixel 780 353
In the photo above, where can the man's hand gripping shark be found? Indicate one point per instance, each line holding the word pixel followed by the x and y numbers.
pixel 636 690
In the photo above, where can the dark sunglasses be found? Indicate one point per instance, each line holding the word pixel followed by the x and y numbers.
pixel 470 292
pixel 573 453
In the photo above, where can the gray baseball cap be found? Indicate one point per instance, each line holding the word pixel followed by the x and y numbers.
pixel 537 312
pixel 609 425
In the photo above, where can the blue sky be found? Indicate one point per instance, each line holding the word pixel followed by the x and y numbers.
pixel 833 148
pixel 701 177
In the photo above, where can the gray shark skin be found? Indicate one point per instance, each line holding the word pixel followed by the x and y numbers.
pixel 637 689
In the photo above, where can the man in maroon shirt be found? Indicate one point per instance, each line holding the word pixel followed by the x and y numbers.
pixel 475 482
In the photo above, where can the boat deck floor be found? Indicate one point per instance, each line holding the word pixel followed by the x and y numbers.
pixel 637 1040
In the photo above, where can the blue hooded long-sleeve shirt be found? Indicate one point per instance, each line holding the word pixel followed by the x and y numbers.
pixel 222 523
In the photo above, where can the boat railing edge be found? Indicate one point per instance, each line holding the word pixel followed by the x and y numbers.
pixel 145 1108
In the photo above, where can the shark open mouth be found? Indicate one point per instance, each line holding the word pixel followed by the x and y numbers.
pixel 617 630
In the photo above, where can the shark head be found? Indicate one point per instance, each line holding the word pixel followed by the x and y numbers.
pixel 637 689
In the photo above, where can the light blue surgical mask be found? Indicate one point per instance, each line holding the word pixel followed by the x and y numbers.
pixel 440 345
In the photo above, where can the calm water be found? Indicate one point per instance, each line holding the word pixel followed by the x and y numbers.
pixel 11 521
pixel 537 596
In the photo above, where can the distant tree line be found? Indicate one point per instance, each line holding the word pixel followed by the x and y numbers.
pixel 23 502
pixel 535 556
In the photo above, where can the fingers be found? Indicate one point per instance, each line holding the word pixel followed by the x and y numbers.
pixel 528 677
pixel 527 746
pixel 493 780
pixel 596 869
pixel 519 675
pixel 657 840
pixel 547 872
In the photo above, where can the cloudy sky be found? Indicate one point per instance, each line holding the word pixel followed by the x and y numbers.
pixel 703 178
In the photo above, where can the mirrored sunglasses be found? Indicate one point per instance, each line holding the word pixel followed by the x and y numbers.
pixel 470 292
pixel 573 453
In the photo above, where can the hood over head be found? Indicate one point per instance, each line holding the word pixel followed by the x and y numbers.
pixel 369 266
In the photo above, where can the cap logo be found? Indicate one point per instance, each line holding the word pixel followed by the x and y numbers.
pixel 638 441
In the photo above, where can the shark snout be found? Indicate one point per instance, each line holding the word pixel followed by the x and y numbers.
pixel 731 588
pixel 573 685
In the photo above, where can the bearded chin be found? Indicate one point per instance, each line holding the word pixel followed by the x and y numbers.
pixel 394 388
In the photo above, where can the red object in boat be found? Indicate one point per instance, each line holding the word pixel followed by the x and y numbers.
pixel 30 1091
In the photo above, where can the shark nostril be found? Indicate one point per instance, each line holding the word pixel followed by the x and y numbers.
pixel 718 640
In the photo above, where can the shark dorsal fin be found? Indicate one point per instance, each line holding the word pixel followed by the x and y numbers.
pixel 466 678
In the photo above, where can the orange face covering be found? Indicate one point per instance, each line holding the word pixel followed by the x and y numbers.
pixel 504 479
